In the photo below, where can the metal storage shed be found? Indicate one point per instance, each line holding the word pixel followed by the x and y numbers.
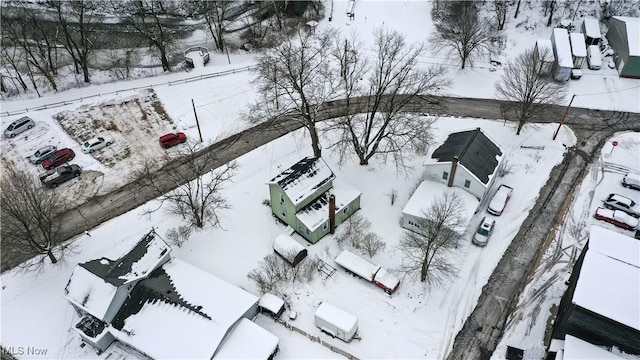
pixel 624 39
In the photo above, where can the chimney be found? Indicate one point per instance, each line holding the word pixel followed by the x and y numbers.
pixel 332 213
pixel 454 166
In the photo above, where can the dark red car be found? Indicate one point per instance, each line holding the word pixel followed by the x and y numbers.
pixel 59 157
pixel 169 140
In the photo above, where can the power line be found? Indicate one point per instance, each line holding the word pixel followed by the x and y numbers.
pixel 609 92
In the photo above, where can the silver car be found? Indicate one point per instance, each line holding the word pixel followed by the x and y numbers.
pixel 23 124
pixel 42 154
pixel 482 235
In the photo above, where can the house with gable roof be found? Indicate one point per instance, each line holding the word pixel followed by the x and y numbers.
pixel 305 197
pixel 468 160
pixel 163 307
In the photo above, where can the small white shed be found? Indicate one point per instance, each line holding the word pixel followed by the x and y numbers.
pixel 578 50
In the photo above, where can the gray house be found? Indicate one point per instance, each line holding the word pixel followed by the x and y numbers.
pixel 624 39
pixel 305 198
pixel 468 160
pixel 163 307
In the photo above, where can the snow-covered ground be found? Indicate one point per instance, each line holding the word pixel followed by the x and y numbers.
pixel 415 322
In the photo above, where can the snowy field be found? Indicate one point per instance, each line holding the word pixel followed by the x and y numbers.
pixel 415 322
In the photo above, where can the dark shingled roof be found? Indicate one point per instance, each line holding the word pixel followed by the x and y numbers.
pixel 475 150
pixel 304 178
pixel 114 272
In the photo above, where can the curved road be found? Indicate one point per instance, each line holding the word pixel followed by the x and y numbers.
pixel 483 328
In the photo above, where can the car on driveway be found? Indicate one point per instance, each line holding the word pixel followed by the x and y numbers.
pixel 169 140
pixel 96 143
pixel 57 176
pixel 482 235
pixel 617 218
pixel 42 153
pixel 23 124
pixel 623 203
pixel 58 158
pixel 500 200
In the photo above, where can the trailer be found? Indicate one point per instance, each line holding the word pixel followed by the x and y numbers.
pixel 368 271
pixel 562 52
pixel 336 322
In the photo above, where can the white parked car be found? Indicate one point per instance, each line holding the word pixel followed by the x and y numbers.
pixel 482 235
pixel 619 202
pixel 41 154
pixel 96 143
pixel 500 200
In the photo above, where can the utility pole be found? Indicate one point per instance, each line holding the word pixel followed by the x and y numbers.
pixel 197 122
pixel 564 116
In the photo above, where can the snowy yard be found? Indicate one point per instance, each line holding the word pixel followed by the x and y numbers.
pixel 415 322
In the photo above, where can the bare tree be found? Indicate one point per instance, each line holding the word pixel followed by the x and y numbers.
pixel 500 8
pixel 549 7
pixel 80 35
pixel 384 128
pixel 427 250
pixel 30 218
pixel 36 39
pixel 147 18
pixel 531 91
pixel 11 57
pixel 295 79
pixel 356 232
pixel 273 273
pixel 217 16
pixel 197 197
pixel 179 235
pixel 460 32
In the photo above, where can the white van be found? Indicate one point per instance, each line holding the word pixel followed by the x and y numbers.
pixel 593 57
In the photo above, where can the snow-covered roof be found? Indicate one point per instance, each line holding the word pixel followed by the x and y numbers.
pixel 303 178
pixel 578 45
pixel 248 341
pixel 563 48
pixel 88 291
pixel 633 33
pixel 316 213
pixel 577 349
pixel 357 265
pixel 475 150
pixel 287 247
pixel 185 312
pixel 609 287
pixel 271 302
pixel 427 191
pixel 337 317
pixel 592 28
pixel 148 254
pixel 614 245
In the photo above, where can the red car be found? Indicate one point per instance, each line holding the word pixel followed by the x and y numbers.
pixel 617 218
pixel 59 157
pixel 169 140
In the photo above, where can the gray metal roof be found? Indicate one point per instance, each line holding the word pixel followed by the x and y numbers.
pixel 475 150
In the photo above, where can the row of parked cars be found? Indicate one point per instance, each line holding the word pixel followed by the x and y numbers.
pixel 620 210
pixel 496 207
pixel 55 161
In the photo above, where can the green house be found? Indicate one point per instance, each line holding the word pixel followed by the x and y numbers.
pixel 301 197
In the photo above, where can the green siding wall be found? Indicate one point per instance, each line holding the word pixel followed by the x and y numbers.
pixel 277 207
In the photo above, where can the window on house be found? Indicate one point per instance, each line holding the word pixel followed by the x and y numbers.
pixel 345 209
pixel 467 183
pixel 445 175
pixel 284 213
pixel 307 232
pixel 281 198
pixel 325 225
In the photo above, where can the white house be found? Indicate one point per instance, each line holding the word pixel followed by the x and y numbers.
pixel 163 307
pixel 421 199
pixel 468 160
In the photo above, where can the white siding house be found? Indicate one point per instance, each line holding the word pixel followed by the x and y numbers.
pixel 478 159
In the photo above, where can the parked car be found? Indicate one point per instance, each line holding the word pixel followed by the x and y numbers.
pixel 57 176
pixel 42 153
pixel 623 203
pixel 23 124
pixel 617 218
pixel 58 158
pixel 482 235
pixel 631 181
pixel 96 143
pixel 169 140
pixel 500 200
